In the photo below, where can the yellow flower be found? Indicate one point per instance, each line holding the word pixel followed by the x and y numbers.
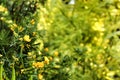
pixel 2 9
pixel 98 25
pixel 20 39
pixel 111 73
pixel 1 55
pixel 50 58
pixel 56 53
pixel 13 27
pixel 100 58
pixel 22 70
pixel 29 53
pixel 1 62
pixel 46 60
pixel 81 44
pixel 108 78
pixel 34 33
pixel 2 18
pixel 88 48
pixel 101 33
pixel 38 64
pixel 57 66
pixel 27 38
pixel 46 49
pixel 97 40
pixel 20 29
pixel 40 76
pixel 106 42
pixel 114 12
pixel 32 22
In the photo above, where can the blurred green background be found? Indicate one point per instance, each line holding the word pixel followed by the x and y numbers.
pixel 59 40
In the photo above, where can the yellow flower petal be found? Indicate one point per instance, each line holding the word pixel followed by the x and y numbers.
pixel 40 76
pixel 46 60
pixel 27 38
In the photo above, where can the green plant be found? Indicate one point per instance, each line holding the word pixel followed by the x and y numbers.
pixel 55 41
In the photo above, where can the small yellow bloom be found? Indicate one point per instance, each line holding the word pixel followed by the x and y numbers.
pixel 20 29
pixel 101 34
pixel 114 12
pixel 56 53
pixel 22 70
pixel 1 55
pixel 9 21
pixel 40 76
pixel 38 64
pixel 57 66
pixel 39 52
pixel 2 18
pixel 15 25
pixel 98 25
pixel 27 38
pixel 111 73
pixel 34 33
pixel 21 39
pixel 46 60
pixel 50 58
pixel 98 40
pixel 29 53
pixel 32 22
pixel 81 44
pixel 108 78
pixel 1 62
pixel 46 49
pixel 88 48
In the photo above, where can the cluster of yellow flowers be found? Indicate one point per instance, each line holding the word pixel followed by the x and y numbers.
pixel 38 64
pixel 26 38
pixel 2 9
pixel 42 63
pixel 98 25
pixel 20 28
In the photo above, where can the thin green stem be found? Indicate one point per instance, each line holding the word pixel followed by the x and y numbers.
pixel 31 77
pixel 1 70
pixel 13 73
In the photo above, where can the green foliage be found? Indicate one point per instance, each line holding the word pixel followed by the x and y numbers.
pixel 51 40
